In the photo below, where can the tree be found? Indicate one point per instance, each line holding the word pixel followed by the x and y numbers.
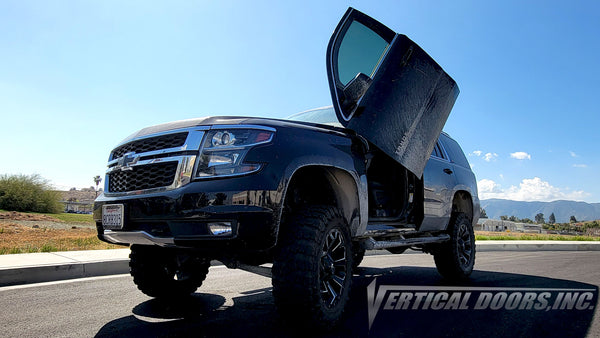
pixel 573 219
pixel 504 217
pixel 97 180
pixel 513 219
pixel 552 219
pixel 28 193
pixel 483 214
pixel 539 218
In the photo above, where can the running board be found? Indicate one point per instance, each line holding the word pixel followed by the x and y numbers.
pixel 397 232
pixel 259 270
pixel 371 244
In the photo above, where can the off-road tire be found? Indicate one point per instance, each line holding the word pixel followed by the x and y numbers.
pixel 312 268
pixel 455 259
pixel 159 273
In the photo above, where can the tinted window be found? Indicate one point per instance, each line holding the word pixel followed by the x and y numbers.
pixel 437 151
pixel 361 51
pixel 454 151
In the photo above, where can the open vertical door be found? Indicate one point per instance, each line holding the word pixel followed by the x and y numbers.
pixel 387 89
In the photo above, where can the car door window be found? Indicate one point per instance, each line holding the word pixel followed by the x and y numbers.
pixel 455 152
pixel 360 51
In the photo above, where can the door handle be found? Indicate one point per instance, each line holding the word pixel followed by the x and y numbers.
pixel 448 171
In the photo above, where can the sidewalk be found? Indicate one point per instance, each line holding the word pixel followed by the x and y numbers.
pixel 46 267
pixel 52 266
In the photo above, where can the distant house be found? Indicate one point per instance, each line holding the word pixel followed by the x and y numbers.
pixel 499 225
pixel 78 207
pixel 79 201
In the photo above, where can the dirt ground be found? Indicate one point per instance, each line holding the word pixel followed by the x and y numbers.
pixel 13 233
pixel 20 216
pixel 22 233
pixel 39 221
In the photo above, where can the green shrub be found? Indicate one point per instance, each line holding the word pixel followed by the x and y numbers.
pixel 28 193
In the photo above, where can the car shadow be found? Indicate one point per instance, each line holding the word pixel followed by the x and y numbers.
pixel 253 313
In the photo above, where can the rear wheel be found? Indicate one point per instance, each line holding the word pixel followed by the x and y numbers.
pixel 312 270
pixel 455 259
pixel 161 273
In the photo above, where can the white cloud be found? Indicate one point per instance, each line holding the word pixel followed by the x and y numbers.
pixel 580 165
pixel 490 157
pixel 486 186
pixel 533 189
pixel 520 155
pixel 572 154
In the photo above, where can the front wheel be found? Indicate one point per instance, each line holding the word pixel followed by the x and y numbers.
pixel 312 270
pixel 160 272
pixel 455 259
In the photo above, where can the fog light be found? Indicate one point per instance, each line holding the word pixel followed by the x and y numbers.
pixel 220 228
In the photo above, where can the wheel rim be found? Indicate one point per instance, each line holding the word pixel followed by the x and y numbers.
pixel 333 269
pixel 177 273
pixel 464 245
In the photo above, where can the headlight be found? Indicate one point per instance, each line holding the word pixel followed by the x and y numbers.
pixel 223 151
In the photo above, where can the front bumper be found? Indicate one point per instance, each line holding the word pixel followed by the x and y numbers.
pixel 181 217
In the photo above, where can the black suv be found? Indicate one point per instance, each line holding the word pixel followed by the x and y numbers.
pixel 309 194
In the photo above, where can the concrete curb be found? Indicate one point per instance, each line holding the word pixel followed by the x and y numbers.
pixel 46 267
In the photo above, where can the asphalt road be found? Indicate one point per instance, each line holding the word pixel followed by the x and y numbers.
pixel 238 303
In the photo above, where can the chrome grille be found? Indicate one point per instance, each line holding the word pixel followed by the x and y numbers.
pixel 142 177
pixel 151 144
pixel 147 164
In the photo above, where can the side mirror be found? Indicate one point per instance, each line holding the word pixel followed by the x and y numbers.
pixel 354 90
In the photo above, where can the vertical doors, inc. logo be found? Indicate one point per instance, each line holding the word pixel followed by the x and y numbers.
pixel 439 298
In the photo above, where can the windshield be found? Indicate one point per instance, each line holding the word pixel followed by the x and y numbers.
pixel 324 115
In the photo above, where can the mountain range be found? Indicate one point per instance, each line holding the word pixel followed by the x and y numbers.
pixel 563 210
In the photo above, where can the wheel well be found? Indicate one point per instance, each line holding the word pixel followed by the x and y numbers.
pixel 325 186
pixel 462 202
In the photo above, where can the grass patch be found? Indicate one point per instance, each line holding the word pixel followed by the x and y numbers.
pixel 12 251
pixel 512 236
pixel 48 248
pixel 74 218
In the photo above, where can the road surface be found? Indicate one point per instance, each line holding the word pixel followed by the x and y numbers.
pixel 510 294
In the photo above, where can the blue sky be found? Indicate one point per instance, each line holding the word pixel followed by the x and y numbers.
pixel 77 77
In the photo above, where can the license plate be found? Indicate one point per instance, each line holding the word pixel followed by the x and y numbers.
pixel 112 216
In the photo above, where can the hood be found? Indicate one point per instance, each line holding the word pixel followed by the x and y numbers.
pixel 228 120
pixel 189 123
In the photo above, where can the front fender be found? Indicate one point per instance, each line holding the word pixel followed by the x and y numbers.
pixel 297 149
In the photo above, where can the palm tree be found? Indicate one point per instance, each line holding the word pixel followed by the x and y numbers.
pixel 97 180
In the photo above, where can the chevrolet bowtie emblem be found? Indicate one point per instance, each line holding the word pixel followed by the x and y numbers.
pixel 125 162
